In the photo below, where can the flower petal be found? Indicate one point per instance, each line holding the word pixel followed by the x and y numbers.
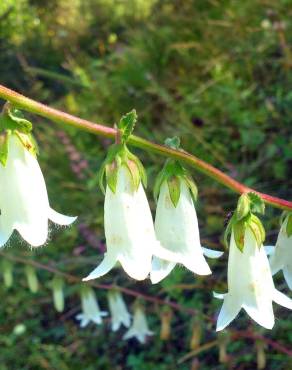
pixel 60 219
pixel 211 253
pixel 228 312
pixel 219 295
pixel 269 249
pixel 276 262
pixel 282 299
pixel 160 269
pixel 104 267
pixel 137 265
pixel 262 314
pixel 287 271
pixel 197 264
pixel 5 233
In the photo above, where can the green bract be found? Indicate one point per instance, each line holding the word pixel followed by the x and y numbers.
pixel 244 218
pixel 286 215
pixel 13 122
pixel 119 155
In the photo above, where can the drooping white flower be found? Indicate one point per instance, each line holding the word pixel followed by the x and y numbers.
pixel 281 256
pixel 250 285
pixel 178 231
pixel 129 230
pixel 139 328
pixel 118 309
pixel 23 197
pixel 90 308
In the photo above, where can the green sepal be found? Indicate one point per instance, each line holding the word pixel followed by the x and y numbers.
pixel 257 205
pixel 289 225
pixel 173 184
pixel 239 228
pixel 4 139
pixel 13 119
pixel 257 229
pixel 127 125
pixel 119 155
pixel 28 141
pixel 174 170
pixel 243 206
pixel 228 231
pixel 192 187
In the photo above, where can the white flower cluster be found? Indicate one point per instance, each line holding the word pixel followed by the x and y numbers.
pixel 143 248
pixel 119 314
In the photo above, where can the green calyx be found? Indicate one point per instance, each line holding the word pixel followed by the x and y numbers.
pixel 244 218
pixel 13 122
pixel 119 155
pixel 287 217
pixel 173 173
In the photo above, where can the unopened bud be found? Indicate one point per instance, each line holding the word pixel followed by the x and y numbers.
pixel 165 330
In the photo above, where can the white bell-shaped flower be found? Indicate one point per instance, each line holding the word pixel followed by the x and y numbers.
pixel 178 231
pixel 281 256
pixel 23 197
pixel 90 308
pixel 129 230
pixel 118 309
pixel 250 285
pixel 139 328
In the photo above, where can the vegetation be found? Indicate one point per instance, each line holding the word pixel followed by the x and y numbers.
pixel 215 73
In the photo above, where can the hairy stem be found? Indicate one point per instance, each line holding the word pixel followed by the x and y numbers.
pixel 58 116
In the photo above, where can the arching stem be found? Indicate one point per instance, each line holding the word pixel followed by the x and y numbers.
pixel 58 116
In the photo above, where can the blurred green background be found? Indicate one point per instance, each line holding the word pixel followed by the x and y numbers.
pixel 217 74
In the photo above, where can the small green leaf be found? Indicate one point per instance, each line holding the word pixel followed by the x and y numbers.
pixel 174 189
pixel 13 119
pixel 289 225
pixel 127 125
pixel 239 231
pixel 243 207
pixel 173 142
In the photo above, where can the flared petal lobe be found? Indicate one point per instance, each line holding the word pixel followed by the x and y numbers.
pixel 281 258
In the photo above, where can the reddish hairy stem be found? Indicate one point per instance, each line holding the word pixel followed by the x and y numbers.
pixel 58 116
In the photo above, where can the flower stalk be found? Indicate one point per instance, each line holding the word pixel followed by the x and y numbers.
pixel 58 116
